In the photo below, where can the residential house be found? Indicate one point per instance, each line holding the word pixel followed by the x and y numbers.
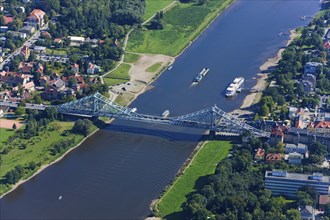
pixel 7 19
pixel 39 49
pixel 91 41
pixel 309 82
pixel 76 41
pixel 295 158
pixel 323 201
pixel 46 34
pixel 26 68
pixel 25 52
pixel 276 135
pixel 299 122
pixel 93 69
pixel 28 30
pixel 57 40
pixel 283 183
pixel 292 111
pixel 36 18
pixel 311 67
pixel 29 87
pixel 17 34
pixel 44 80
pixel 322 127
pixel 273 158
pixel 307 213
pixel 260 154
pixel 299 148
pixel 50 93
pixel 13 78
pixel 59 85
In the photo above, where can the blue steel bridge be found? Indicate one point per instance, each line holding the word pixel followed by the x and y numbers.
pixel 213 118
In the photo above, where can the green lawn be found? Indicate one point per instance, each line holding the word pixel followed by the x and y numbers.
pixel 182 24
pixel 37 149
pixel 57 67
pixel 154 68
pixel 204 164
pixel 153 6
pixel 131 57
pixel 55 52
pixel 120 75
pixel 5 134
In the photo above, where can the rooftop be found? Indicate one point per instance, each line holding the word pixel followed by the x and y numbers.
pixel 300 146
pixel 282 174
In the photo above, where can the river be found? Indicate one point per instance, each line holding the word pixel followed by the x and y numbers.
pixel 118 171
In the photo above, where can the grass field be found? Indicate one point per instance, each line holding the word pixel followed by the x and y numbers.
pixel 5 134
pixel 55 52
pixel 131 57
pixel 153 6
pixel 154 68
pixel 37 149
pixel 182 24
pixel 203 165
pixel 120 75
pixel 123 100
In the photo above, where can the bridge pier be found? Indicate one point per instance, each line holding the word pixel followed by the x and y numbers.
pixel 212 134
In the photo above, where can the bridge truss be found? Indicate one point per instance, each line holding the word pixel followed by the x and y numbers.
pixel 212 118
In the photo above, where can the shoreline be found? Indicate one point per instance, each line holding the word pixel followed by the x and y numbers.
pixel 181 171
pixel 43 167
pixel 204 28
pixel 197 34
pixel 260 84
pixel 262 77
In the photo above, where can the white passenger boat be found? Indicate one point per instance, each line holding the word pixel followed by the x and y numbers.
pixel 234 86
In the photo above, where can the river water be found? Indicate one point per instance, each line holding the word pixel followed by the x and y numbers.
pixel 118 171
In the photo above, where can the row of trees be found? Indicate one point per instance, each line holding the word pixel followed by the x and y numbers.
pixel 237 189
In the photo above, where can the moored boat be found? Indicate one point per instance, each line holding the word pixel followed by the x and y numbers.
pixel 234 86
pixel 166 113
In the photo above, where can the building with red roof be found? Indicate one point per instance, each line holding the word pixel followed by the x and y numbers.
pixel 273 158
pixel 322 126
pixel 260 154
pixel 7 19
pixel 36 17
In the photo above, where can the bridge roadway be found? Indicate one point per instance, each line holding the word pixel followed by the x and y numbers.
pixel 213 118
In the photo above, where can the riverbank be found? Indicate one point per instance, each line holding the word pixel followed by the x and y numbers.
pixel 43 167
pixel 201 163
pixel 262 80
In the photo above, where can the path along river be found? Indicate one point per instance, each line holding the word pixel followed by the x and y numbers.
pixel 119 170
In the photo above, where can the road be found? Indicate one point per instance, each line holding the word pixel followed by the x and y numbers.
pixel 27 43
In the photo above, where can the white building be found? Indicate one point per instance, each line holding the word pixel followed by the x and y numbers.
pixel 300 148
pixel 281 182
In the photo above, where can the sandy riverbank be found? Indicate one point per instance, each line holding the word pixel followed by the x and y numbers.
pixel 262 82
pixel 43 167
pixel 140 77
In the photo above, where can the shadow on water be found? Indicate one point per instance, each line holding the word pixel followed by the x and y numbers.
pixel 166 134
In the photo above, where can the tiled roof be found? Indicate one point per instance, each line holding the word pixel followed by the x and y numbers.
pixel 273 157
pixel 323 124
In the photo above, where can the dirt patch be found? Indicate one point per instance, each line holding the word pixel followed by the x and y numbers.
pixel 8 124
pixel 140 78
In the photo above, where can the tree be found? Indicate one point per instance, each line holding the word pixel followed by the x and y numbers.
pixel 264 110
pixel 20 110
pixel 293 214
pixel 82 127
